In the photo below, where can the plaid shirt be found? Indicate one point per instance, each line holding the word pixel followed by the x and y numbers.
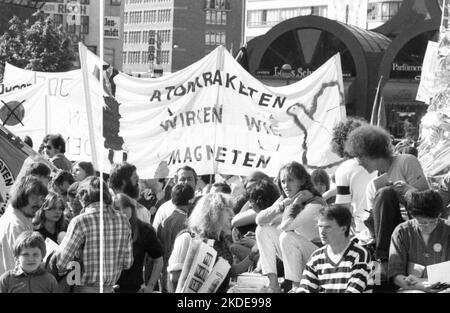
pixel 83 241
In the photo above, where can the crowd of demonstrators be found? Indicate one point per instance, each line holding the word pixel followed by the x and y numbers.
pixel 375 228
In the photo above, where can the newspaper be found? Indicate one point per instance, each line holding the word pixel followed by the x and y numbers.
pixel 200 269
pixel 216 277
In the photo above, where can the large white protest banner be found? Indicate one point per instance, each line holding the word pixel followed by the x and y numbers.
pixel 217 118
pixel 62 106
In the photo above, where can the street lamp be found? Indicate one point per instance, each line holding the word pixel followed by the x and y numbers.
pixel 286 72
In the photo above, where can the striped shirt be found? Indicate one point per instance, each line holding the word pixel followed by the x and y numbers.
pixel 353 273
pixel 83 240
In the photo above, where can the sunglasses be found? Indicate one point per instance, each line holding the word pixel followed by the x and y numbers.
pixel 48 147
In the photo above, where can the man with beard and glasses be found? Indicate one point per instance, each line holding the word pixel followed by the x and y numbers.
pixel 27 196
pixel 124 179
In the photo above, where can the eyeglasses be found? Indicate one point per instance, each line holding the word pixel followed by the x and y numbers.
pixel 48 147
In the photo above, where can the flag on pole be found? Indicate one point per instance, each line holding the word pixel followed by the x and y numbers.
pixel 378 117
pixel 15 156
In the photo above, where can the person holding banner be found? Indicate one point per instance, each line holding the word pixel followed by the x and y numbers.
pixel 55 149
pixel 288 229
pixel 27 196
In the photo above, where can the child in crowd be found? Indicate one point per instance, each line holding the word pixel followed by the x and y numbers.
pixel 28 276
pixel 321 181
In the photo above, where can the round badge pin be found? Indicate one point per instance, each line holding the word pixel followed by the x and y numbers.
pixel 437 247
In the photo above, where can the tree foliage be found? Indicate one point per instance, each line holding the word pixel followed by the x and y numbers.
pixel 41 46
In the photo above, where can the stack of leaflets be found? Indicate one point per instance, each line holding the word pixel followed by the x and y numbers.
pixel 201 273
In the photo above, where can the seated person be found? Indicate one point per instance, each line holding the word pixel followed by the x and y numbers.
pixel 261 195
pixel 342 265
pixel 288 228
pixel 28 276
pixel 419 242
pixel 321 181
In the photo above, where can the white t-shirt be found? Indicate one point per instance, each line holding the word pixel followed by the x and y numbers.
pixel 404 167
pixel 143 213
pixel 164 211
pixel 351 183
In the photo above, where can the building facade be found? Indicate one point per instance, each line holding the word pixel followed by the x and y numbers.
pixel 81 22
pixel 164 36
pixel 391 53
pixel 262 15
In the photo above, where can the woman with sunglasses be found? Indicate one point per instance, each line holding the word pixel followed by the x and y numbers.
pixel 49 220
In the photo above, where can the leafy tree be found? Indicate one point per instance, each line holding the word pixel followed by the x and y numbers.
pixel 42 46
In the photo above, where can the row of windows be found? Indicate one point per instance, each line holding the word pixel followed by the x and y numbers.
pixel 143 36
pixel 215 38
pixel 217 4
pixel 216 17
pixel 143 57
pixel 275 16
pixel 59 19
pixel 150 16
pixel 132 37
pixel 382 11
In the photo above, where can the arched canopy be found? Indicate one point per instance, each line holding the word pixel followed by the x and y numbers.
pixel 306 42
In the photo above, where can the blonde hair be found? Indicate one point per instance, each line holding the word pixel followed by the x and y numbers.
pixel 211 215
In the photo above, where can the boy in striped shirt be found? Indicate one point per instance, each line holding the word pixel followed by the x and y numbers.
pixel 341 265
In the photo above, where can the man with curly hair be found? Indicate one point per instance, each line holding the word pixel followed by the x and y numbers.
pixel 398 176
pixel 352 179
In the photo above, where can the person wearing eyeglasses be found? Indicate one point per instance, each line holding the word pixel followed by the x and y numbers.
pixel 55 149
pixel 419 242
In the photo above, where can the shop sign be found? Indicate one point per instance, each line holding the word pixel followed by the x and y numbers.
pixel 111 27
